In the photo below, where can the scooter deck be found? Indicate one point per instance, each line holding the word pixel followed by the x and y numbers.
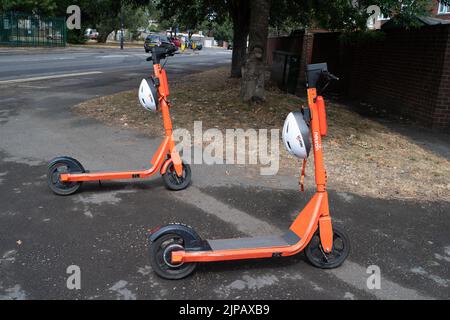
pixel 290 238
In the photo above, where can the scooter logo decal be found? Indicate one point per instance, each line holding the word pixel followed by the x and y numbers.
pixel 317 145
pixel 300 140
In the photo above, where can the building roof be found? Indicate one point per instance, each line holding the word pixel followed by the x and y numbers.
pixel 423 21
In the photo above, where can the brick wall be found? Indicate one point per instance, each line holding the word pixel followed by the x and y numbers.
pixel 441 116
pixel 289 44
pixel 406 72
pixel 326 47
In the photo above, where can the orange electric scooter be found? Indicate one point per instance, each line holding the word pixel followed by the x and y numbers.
pixel 65 175
pixel 175 249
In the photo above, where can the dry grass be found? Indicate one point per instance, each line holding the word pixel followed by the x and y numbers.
pixel 362 156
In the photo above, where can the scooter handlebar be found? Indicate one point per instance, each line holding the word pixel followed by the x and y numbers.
pixel 159 53
pixel 330 76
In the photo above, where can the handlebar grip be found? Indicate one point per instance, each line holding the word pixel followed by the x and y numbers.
pixel 149 59
pixel 332 76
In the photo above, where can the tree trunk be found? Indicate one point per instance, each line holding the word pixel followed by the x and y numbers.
pixel 253 78
pixel 240 13
pixel 103 35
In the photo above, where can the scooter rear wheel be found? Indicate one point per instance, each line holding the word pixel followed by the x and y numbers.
pixel 173 181
pixel 161 258
pixel 56 168
pixel 340 251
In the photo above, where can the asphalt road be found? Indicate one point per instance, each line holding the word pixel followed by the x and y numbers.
pixel 102 229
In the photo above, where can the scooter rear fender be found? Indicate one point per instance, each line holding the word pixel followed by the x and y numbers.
pixel 62 158
pixel 192 241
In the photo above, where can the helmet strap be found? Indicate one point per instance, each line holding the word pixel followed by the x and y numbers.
pixel 301 180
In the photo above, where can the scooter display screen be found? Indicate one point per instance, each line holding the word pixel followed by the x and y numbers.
pixel 313 72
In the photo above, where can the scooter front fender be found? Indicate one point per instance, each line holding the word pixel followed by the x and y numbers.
pixel 178 168
pixel 192 241
pixel 165 166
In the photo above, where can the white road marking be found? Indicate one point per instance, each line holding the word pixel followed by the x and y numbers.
pixel 244 222
pixel 8 99
pixel 32 87
pixel 114 56
pixel 356 276
pixel 56 76
pixel 350 272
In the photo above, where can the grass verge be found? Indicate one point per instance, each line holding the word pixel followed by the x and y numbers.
pixel 362 156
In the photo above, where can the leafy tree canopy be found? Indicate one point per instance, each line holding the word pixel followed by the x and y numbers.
pixel 33 6
pixel 348 15
pixel 191 14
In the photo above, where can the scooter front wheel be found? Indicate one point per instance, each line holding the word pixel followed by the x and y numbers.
pixel 161 258
pixel 173 181
pixel 340 251
pixel 59 166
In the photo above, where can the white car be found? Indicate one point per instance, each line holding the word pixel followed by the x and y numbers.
pixel 91 33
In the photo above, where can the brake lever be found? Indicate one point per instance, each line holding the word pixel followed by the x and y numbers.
pixel 331 76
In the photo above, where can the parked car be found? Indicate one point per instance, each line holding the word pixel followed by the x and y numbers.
pixel 91 34
pixel 56 36
pixel 176 42
pixel 197 45
pixel 158 40
pixel 194 45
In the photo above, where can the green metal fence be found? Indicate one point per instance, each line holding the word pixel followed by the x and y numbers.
pixel 19 29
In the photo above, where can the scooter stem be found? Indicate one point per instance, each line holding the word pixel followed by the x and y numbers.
pixel 320 172
pixel 325 225
pixel 163 90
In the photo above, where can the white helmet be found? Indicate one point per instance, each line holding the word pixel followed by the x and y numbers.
pixel 296 135
pixel 148 95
